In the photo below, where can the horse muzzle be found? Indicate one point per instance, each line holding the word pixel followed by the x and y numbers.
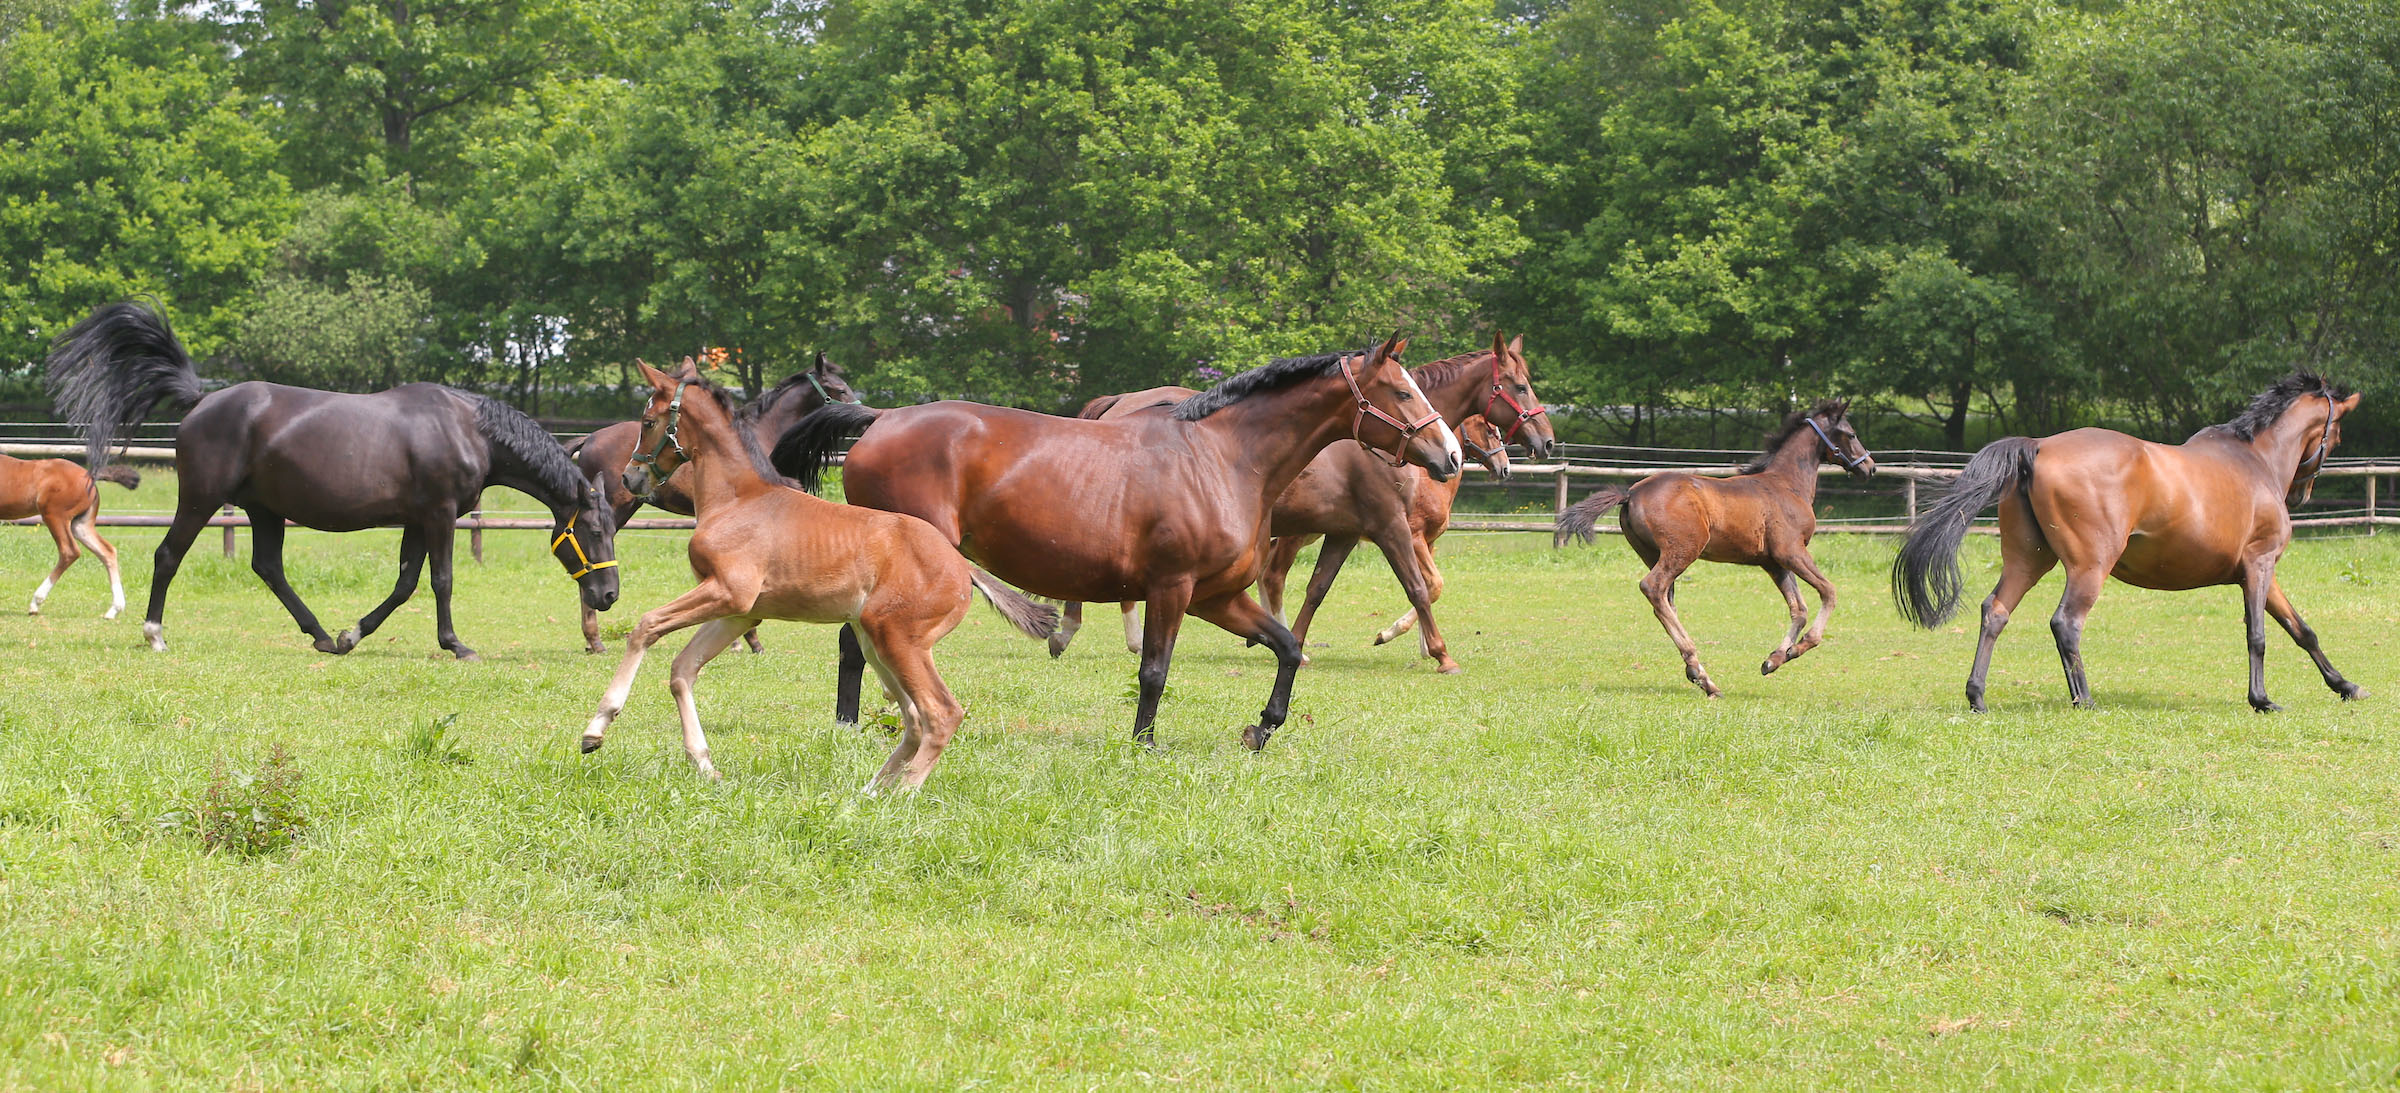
pixel 637 481
pixel 599 589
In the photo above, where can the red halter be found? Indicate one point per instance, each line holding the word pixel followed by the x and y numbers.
pixel 1398 456
pixel 1500 395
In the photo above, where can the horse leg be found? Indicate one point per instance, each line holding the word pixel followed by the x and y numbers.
pixel 266 560
pixel 191 517
pixel 932 712
pixel 1789 585
pixel 1242 617
pixel 1070 620
pixel 847 672
pixel 1133 626
pixel 412 562
pixel 438 546
pixel 82 527
pixel 1335 551
pixel 703 604
pixel 1806 568
pixel 2025 558
pixel 1659 588
pixel 750 638
pixel 2289 618
pixel 66 557
pixel 1401 552
pixel 1433 592
pixel 1281 554
pixel 713 638
pixel 591 631
pixel 2066 625
pixel 1162 618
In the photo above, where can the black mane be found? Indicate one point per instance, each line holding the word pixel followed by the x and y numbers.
pixel 2271 403
pixel 538 453
pixel 1282 372
pixel 1832 408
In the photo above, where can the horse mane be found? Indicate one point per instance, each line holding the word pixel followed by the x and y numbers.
pixel 508 429
pixel 1440 373
pixel 1792 423
pixel 2271 403
pixel 758 407
pixel 735 410
pixel 1275 375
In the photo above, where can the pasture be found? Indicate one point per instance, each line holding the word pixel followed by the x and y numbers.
pixel 1561 868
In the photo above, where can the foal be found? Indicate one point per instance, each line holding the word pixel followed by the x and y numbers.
pixel 68 500
pixel 1763 516
pixel 764 550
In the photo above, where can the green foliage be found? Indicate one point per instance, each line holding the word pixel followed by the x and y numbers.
pixel 431 742
pixel 245 812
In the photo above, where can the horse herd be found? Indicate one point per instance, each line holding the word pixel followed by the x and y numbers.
pixel 1177 500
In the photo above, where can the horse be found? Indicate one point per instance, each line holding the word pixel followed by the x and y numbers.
pixel 1167 508
pixel 605 455
pixel 1763 516
pixel 765 550
pixel 1345 491
pixel 2214 510
pixel 416 455
pixel 1406 516
pixel 67 498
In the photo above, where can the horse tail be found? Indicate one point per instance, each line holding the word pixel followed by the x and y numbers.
pixel 111 369
pixel 1581 520
pixel 1034 620
pixel 1925 577
pixel 1093 409
pixel 120 474
pixel 804 451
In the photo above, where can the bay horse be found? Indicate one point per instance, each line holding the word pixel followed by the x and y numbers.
pixel 765 550
pixel 604 456
pixel 417 456
pixel 1763 516
pixel 1346 492
pixel 67 498
pixel 2214 510
pixel 1167 508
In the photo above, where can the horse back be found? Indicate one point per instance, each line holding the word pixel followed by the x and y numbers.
pixel 2170 516
pixel 333 460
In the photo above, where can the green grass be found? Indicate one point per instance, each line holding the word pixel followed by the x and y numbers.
pixel 1561 868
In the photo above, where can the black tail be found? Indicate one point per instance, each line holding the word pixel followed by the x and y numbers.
pixel 1034 620
pixel 120 474
pixel 807 448
pixel 1581 520
pixel 107 373
pixel 1925 580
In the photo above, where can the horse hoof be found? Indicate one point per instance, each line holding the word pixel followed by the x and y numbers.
pixel 2265 706
pixel 1057 647
pixel 347 640
pixel 1449 668
pixel 590 744
pixel 468 655
pixel 106 616
pixel 2350 692
pixel 328 645
pixel 1255 738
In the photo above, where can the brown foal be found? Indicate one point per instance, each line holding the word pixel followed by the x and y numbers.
pixel 1763 516
pixel 68 501
pixel 765 550
pixel 2213 510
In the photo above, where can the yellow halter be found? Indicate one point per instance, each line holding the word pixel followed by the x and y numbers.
pixel 568 537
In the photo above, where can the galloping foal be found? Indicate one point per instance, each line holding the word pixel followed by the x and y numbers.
pixel 2213 510
pixel 765 550
pixel 67 498
pixel 1763 516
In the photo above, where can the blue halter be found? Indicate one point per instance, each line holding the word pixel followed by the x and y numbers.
pixel 1830 446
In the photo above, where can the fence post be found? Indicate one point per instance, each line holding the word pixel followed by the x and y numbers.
pixel 229 534
pixel 475 534
pixel 1560 504
pixel 2370 504
pixel 1910 484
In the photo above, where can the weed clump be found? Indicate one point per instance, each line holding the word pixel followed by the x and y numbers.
pixel 246 812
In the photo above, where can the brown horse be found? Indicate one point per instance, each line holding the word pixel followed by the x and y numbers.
pixel 1348 494
pixel 1168 508
pixel 67 498
pixel 605 456
pixel 764 550
pixel 1763 516
pixel 2213 510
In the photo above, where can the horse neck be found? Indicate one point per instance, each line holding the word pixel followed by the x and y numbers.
pixel 1461 395
pixel 1261 433
pixel 1795 464
pixel 513 471
pixel 719 463
pixel 2280 444
pixel 787 411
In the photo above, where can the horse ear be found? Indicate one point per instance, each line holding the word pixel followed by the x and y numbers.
pixel 655 377
pixel 690 369
pixel 821 367
pixel 1516 346
pixel 1499 344
pixel 2347 405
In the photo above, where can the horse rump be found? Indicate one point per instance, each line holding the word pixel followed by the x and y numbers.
pixel 1581 520
pixel 1925 577
pixel 804 451
pixel 108 371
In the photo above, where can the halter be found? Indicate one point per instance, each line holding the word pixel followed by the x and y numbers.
pixel 2324 443
pixel 1830 446
pixel 823 395
pixel 568 537
pixel 666 439
pixel 1398 456
pixel 1500 396
pixel 1489 456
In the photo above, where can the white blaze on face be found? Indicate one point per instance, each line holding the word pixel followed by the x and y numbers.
pixel 1458 458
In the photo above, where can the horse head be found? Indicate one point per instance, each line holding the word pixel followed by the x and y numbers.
pixel 1512 404
pixel 1484 441
pixel 2320 447
pixel 1831 420
pixel 1393 418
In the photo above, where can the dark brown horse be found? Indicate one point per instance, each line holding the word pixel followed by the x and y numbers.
pixel 67 498
pixel 416 456
pixel 765 550
pixel 1349 494
pixel 604 456
pixel 2213 510
pixel 1763 516
pixel 1167 508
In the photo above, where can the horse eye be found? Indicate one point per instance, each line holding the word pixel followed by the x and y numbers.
pixel 1407 397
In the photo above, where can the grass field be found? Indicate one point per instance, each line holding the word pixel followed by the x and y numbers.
pixel 1560 868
